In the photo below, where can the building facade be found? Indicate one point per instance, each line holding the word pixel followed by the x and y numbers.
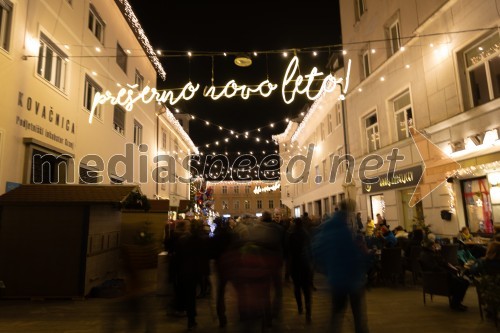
pixel 55 56
pixel 247 198
pixel 428 69
pixel 312 175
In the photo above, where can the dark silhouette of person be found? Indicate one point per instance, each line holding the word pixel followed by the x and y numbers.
pixel 271 237
pixel 345 263
pixel 431 261
pixel 301 268
pixel 223 240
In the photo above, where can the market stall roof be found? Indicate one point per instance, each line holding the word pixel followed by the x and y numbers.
pixel 62 193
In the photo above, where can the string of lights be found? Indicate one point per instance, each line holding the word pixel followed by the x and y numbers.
pixel 313 50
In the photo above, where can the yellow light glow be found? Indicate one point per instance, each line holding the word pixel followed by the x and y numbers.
pixel 231 89
pixel 301 85
pixel 32 45
pixel 126 98
pixel 328 85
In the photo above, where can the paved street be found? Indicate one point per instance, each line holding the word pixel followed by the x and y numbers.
pixel 390 308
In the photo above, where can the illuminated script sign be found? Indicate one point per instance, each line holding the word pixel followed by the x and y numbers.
pixel 269 188
pixel 293 83
pixel 400 178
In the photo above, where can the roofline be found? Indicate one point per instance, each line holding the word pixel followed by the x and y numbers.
pixel 139 33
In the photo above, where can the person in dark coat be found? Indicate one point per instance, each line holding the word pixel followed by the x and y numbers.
pixel 431 261
pixel 222 242
pixel 192 257
pixel 271 237
pixel 345 263
pixel 301 267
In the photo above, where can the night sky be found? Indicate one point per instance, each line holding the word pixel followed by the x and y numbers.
pixel 262 26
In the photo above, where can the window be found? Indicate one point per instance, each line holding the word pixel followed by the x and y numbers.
pixel 139 80
pixel 322 131
pixel 247 204
pixel 224 189
pixel 5 23
pixel 342 196
pixel 115 179
pixel 119 120
pixel 334 201
pixel 164 139
pixel 91 88
pixel 340 153
pixel 329 120
pixel 49 167
pixel 323 171
pixel 236 204
pixel 224 205
pixel 403 115
pixel 96 24
pixel 88 176
pixel 271 204
pixel 176 146
pixel 236 189
pixel 372 134
pixel 360 8
pixel 247 189
pixel 482 63
pixel 52 63
pixel 137 133
pixel 365 59
pixel 259 204
pixel 338 114
pixel 121 58
pixel 394 37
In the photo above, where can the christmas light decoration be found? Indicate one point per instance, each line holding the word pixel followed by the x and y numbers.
pixel 128 97
pixel 141 36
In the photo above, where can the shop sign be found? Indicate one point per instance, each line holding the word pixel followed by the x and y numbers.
pixel 400 178
pixel 47 114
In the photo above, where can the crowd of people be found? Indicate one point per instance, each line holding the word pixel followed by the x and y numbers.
pixel 251 254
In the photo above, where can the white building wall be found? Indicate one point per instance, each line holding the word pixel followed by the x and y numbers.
pixel 430 67
pixel 66 25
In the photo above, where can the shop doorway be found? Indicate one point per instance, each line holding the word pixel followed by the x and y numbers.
pixel 477 204
pixel 411 215
pixel 377 204
pixel 317 208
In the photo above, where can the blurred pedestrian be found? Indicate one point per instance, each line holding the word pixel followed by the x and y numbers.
pixel 345 263
pixel 301 268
